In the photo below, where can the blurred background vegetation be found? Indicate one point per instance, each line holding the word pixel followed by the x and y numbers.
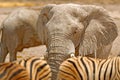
pixel 29 3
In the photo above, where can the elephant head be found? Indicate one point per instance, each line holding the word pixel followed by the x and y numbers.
pixel 65 27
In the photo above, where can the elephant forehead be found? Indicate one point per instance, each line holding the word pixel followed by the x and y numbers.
pixel 64 24
pixel 64 7
pixel 69 11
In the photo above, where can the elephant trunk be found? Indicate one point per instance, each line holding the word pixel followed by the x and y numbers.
pixel 54 60
pixel 58 51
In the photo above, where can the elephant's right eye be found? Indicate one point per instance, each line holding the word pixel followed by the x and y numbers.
pixel 74 15
pixel 46 16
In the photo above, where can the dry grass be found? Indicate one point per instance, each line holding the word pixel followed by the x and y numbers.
pixel 14 4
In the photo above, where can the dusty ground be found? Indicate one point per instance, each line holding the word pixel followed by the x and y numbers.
pixel 41 50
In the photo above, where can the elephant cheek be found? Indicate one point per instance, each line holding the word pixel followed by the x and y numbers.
pixel 54 60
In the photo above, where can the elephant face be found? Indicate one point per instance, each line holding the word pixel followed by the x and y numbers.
pixel 66 26
pixel 86 26
pixel 65 23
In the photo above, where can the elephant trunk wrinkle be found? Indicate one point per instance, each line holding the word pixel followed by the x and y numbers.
pixel 61 34
pixel 58 44
pixel 55 59
pixel 59 49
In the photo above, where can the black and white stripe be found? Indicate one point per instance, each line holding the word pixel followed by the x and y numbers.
pixel 86 68
pixel 37 68
pixel 12 71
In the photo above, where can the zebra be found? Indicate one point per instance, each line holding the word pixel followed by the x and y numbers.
pixel 37 68
pixel 12 71
pixel 86 68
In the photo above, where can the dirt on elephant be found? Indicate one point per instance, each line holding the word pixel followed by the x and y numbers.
pixel 41 50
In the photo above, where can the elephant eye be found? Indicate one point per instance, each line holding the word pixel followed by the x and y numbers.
pixel 74 30
pixel 74 14
pixel 46 16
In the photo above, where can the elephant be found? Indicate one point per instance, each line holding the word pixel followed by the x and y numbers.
pixel 115 50
pixel 18 32
pixel 71 28
pixel 2 18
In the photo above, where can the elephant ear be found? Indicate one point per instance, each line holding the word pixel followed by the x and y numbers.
pixel 100 30
pixel 42 20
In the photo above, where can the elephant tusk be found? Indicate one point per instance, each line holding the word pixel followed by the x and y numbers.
pixel 72 54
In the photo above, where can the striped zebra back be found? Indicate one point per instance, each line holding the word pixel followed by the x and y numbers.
pixel 12 71
pixel 86 68
pixel 37 68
